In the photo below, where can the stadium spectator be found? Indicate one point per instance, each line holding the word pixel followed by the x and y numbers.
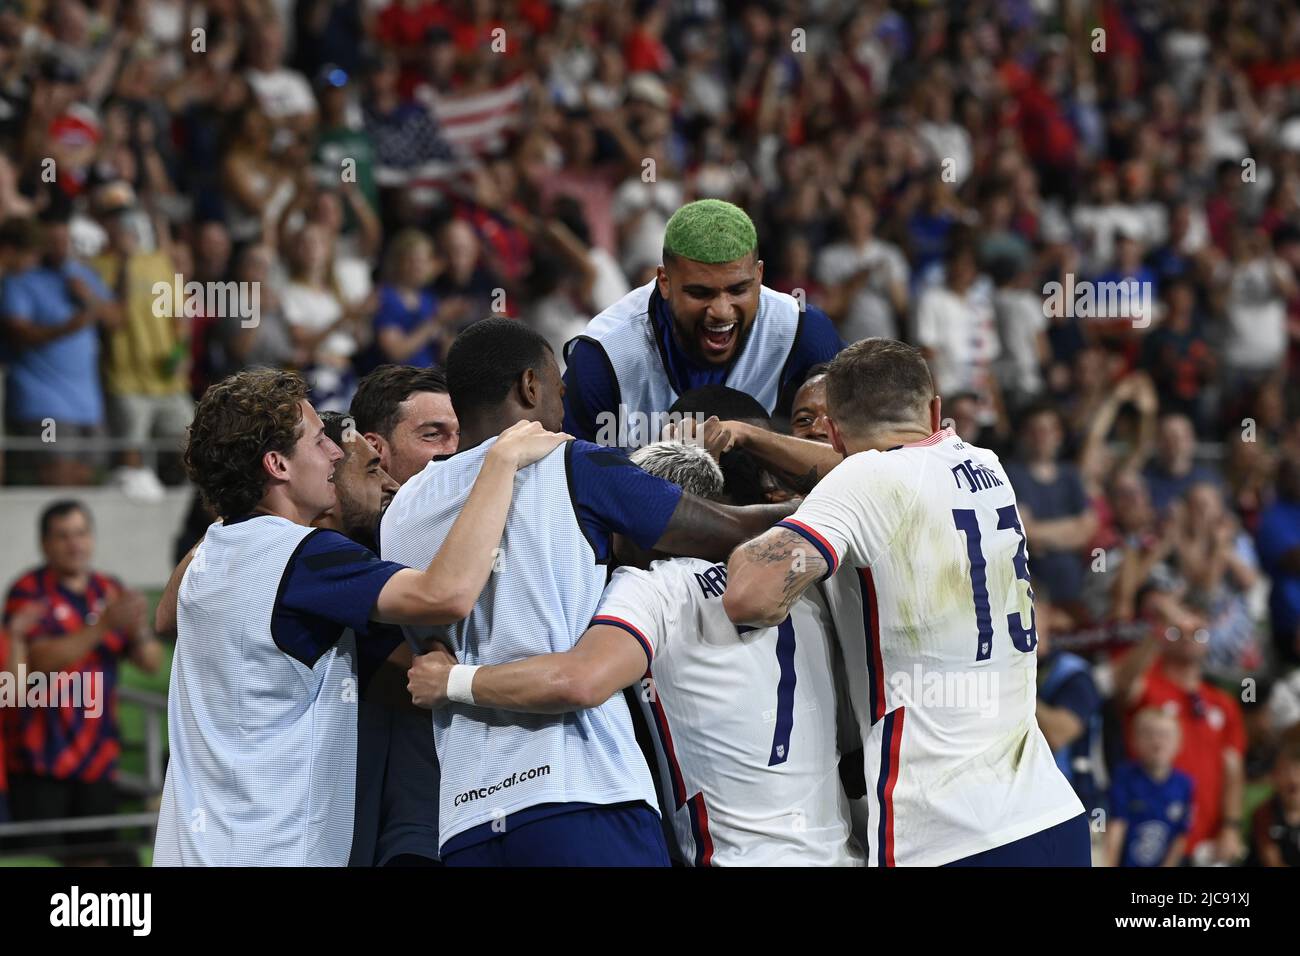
pixel 1069 707
pixel 1275 826
pixel 1058 520
pixel 323 325
pixel 1216 561
pixel 1278 541
pixel 52 307
pixel 62 757
pixel 1166 673
pixel 1174 469
pixel 13 670
pixel 956 330
pixel 467 286
pixel 147 366
pixel 865 277
pixel 410 328
pixel 1151 802
pixel 266 340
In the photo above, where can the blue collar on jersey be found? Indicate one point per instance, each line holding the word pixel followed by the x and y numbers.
pixel 684 373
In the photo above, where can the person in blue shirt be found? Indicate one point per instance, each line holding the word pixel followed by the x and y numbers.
pixel 1278 543
pixel 408 327
pixel 1150 801
pixel 50 312
pixel 1175 470
pixel 1069 706
pixel 706 319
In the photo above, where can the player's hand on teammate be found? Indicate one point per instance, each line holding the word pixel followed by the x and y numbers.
pixel 717 437
pixel 526 442
pixel 426 680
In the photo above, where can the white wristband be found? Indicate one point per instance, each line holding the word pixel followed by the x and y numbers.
pixel 460 683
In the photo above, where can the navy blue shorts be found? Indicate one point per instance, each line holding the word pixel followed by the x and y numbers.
pixel 621 835
pixel 1066 844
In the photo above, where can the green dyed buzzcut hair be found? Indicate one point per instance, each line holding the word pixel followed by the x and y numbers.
pixel 711 231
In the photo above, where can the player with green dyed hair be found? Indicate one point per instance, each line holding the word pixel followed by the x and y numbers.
pixel 710 231
pixel 706 318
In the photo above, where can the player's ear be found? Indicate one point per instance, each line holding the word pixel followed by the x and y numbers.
pixel 661 275
pixel 276 465
pixel 528 387
pixel 837 440
pixel 376 441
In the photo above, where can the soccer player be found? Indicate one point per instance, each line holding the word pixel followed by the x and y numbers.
pixel 261 709
pixel 919 536
pixel 706 319
pixel 744 720
pixel 538 789
pixel 406 414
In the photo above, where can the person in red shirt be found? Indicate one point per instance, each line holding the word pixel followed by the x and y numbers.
pixel 13 664
pixel 1167 675
pixel 61 757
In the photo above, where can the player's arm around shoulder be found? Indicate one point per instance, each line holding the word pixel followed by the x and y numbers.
pixel 603 662
pixel 613 653
pixel 446 591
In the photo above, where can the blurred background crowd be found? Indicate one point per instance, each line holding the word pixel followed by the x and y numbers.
pixel 388 172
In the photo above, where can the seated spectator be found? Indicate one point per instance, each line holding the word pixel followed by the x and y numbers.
pixel 62 759
pixel 1058 520
pixel 1166 672
pixel 1275 826
pixel 1151 802
pixel 51 309
pixel 1174 469
pixel 1278 541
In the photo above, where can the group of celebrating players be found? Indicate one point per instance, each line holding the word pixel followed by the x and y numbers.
pixel 450 627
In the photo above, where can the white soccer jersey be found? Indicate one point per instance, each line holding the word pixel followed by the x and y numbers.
pixel 931 602
pixel 744 723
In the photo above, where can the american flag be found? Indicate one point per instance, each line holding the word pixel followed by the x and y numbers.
pixel 466 127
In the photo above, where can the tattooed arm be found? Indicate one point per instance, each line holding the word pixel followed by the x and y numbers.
pixel 766 576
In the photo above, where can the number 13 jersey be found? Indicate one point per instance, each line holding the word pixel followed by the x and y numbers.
pixel 929 592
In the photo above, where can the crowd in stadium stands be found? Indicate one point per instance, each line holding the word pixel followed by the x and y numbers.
pixel 971 177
